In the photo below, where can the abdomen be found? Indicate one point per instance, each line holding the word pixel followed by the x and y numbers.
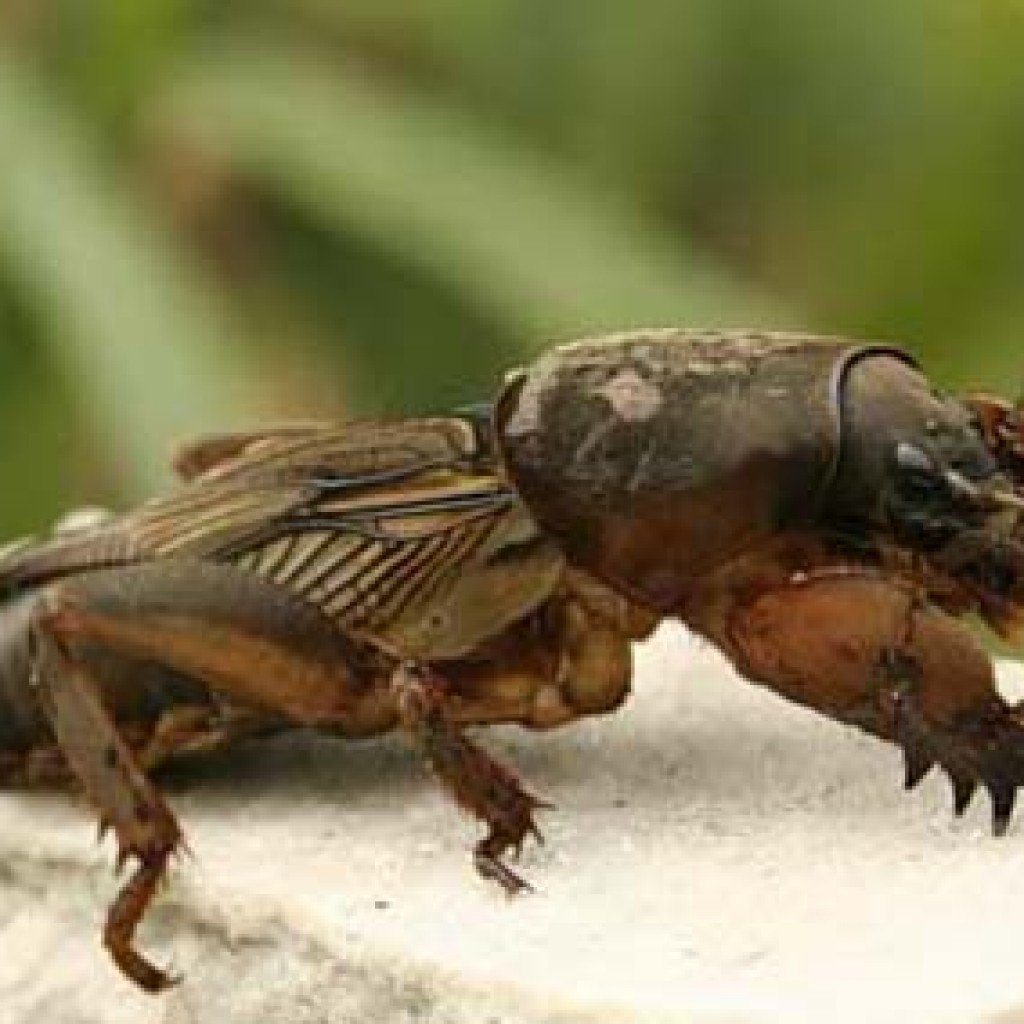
pixel 136 693
pixel 22 722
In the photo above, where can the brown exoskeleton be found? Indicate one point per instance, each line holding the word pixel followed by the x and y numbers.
pixel 811 505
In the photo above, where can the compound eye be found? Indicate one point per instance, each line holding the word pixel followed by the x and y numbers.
pixel 918 473
pixel 912 460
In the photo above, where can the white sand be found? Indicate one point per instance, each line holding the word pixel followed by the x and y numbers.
pixel 716 855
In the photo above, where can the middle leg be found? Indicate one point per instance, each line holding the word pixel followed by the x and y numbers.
pixel 477 782
pixel 571 659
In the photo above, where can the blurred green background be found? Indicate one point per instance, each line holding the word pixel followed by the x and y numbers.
pixel 216 213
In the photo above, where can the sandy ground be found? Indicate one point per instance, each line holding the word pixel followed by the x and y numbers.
pixel 716 855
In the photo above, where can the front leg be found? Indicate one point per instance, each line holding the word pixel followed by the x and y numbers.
pixel 867 649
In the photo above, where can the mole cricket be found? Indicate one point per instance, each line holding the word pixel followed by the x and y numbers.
pixel 812 506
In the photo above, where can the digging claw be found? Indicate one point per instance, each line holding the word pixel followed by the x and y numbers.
pixel 983 745
pixel 963 791
pixel 917 763
pixel 918 756
pixel 1003 796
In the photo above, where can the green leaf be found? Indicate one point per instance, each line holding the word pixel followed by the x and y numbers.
pixel 135 333
pixel 523 238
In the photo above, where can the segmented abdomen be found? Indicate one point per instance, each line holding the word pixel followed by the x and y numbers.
pixel 22 723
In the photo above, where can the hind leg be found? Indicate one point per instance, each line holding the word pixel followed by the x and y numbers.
pixel 193 728
pixel 250 646
pixel 107 768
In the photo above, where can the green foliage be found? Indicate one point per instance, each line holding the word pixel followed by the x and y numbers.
pixel 212 213
pixel 127 326
pixel 534 246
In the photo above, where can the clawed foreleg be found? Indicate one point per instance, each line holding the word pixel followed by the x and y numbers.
pixel 982 745
pixel 870 650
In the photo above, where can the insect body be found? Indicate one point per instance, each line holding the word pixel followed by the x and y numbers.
pixel 810 505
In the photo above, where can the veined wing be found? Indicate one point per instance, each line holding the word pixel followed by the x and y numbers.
pixel 425 566
pixel 201 455
pixel 349 450
pixel 238 482
pixel 403 532
pixel 254 485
